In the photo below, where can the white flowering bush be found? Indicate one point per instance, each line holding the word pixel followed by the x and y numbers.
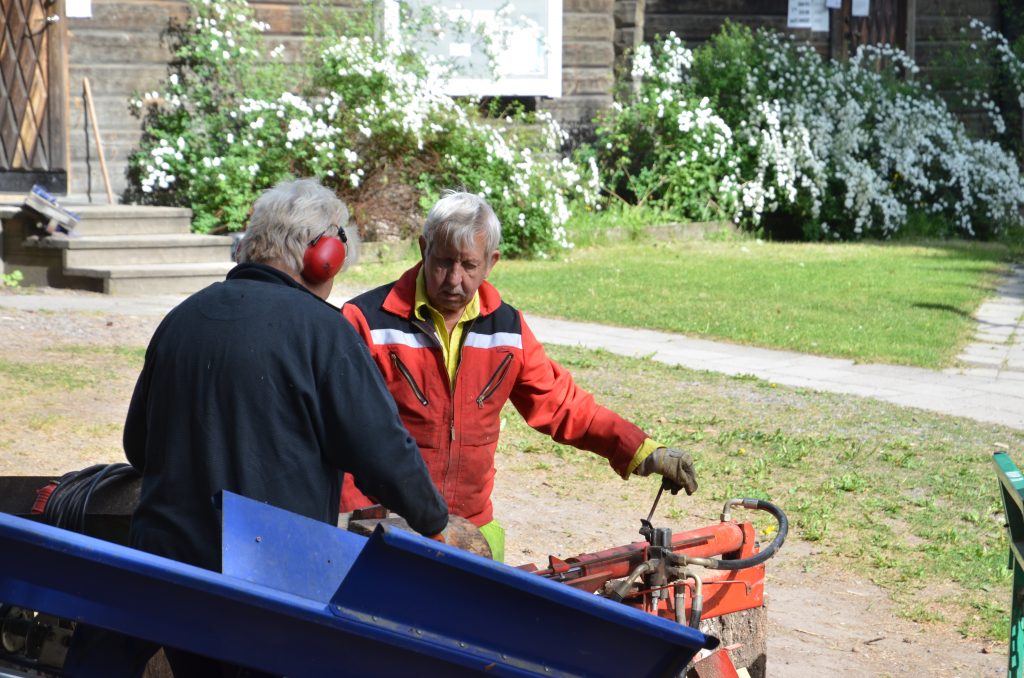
pixel 661 144
pixel 991 79
pixel 364 107
pixel 800 147
pixel 190 153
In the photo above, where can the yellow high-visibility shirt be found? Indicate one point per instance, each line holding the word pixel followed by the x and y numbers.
pixel 451 345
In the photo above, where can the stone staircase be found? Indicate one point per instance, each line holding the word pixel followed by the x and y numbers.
pixel 116 249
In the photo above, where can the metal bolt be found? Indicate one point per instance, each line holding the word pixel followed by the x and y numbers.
pixel 547 670
pixel 504 657
pixel 259 539
pixel 462 644
pixel 374 617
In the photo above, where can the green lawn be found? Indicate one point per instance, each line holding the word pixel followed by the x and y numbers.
pixel 890 303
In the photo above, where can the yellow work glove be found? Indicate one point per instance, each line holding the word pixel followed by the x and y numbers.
pixel 675 466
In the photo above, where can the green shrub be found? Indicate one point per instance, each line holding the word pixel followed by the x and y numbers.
pixel 759 128
pixel 364 106
pixel 189 154
pixel 662 144
pixel 12 279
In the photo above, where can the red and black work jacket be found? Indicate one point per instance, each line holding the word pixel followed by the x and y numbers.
pixel 456 425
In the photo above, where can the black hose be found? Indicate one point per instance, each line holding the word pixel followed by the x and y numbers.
pixel 69 501
pixel 743 563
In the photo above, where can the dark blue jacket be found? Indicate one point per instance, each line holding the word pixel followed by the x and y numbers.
pixel 257 386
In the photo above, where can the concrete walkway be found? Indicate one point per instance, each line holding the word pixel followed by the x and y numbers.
pixel 988 386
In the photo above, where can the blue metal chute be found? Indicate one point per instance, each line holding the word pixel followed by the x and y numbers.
pixel 301 598
pixel 274 548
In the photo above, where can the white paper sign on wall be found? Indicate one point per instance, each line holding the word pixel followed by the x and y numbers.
pixel 78 9
pixel 524 39
pixel 799 15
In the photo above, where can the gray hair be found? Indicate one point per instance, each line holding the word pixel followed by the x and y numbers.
pixel 286 218
pixel 456 219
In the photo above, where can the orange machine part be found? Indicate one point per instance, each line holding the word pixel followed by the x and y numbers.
pixel 724 591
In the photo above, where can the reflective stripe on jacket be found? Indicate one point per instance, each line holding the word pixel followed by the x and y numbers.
pixel 456 426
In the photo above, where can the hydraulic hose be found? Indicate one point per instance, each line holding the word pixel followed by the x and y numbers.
pixel 741 563
pixel 697 604
pixel 69 500
pixel 620 591
pixel 696 601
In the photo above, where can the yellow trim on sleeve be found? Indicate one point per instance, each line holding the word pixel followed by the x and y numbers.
pixel 647 447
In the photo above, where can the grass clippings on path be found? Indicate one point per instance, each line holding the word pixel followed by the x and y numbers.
pixel 904 497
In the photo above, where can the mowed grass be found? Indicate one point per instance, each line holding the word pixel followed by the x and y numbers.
pixel 906 498
pixel 889 303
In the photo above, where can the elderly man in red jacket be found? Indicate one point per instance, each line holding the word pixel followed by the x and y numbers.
pixel 452 353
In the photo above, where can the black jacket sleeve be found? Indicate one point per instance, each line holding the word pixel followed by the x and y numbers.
pixel 135 427
pixel 366 438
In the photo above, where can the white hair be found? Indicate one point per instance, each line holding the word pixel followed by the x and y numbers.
pixel 286 218
pixel 458 217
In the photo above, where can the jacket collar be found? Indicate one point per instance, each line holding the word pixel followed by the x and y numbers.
pixel 401 300
pixel 268 274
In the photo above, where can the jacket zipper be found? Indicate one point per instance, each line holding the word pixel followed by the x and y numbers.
pixel 494 382
pixel 451 423
pixel 400 366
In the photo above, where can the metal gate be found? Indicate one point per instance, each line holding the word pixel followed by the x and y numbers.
pixel 888 21
pixel 33 99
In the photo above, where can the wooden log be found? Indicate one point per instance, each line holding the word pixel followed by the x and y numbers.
pixel 749 630
pixel 577 27
pixel 588 54
pixel 586 81
pixel 589 6
pixel 726 7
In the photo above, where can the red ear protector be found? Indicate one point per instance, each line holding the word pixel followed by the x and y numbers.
pixel 324 257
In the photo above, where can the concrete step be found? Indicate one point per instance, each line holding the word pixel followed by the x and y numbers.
pixel 131 220
pixel 151 278
pixel 119 250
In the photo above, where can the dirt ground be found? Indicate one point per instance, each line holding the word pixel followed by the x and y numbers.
pixel 820 622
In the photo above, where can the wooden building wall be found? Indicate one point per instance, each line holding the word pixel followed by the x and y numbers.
pixel 942 48
pixel 938 29
pixel 697 20
pixel 588 62
pixel 935 31
pixel 121 50
pixel 933 34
